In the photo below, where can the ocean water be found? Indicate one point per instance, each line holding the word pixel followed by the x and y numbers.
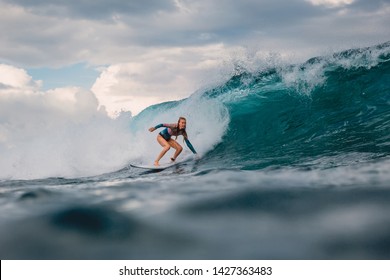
pixel 294 164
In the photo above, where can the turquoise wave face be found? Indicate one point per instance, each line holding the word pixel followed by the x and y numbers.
pixel 328 108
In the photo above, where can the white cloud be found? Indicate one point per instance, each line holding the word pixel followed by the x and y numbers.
pixel 158 76
pixel 17 87
pixel 331 3
pixel 13 78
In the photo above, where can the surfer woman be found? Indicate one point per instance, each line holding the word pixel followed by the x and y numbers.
pixel 165 140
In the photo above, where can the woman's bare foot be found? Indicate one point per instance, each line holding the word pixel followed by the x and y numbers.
pixel 156 163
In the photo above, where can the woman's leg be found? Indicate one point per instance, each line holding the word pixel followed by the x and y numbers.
pixel 165 146
pixel 176 146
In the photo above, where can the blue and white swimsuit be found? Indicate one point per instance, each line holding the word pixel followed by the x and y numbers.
pixel 172 130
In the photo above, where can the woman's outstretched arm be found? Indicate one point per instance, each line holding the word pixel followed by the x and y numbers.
pixel 189 145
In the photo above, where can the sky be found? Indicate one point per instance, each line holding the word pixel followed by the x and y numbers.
pixel 132 54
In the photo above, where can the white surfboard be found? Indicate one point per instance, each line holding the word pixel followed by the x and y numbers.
pixel 153 167
pixel 164 165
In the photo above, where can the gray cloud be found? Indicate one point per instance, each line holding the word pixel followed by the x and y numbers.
pixel 97 31
pixel 236 22
pixel 369 6
pixel 93 9
pixel 226 21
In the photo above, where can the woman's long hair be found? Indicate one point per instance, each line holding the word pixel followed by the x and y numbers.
pixel 183 131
